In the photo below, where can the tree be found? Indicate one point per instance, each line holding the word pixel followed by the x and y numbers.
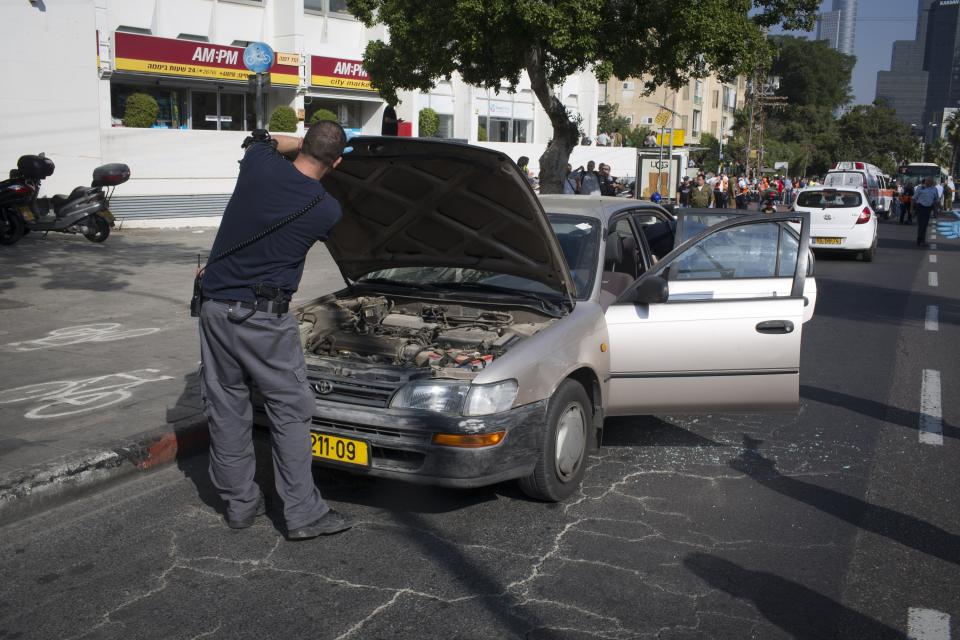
pixel 283 118
pixel 811 73
pixel 140 111
pixel 428 123
pixel 323 114
pixel 872 133
pixel 494 41
pixel 609 119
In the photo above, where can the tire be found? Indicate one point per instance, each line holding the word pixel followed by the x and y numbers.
pixel 867 255
pixel 12 227
pixel 98 229
pixel 569 421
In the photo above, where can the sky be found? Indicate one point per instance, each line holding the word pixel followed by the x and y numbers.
pixel 877 28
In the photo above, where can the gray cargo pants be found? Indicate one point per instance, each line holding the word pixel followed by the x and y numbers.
pixel 266 350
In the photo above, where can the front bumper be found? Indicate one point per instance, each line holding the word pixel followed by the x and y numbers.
pixel 401 443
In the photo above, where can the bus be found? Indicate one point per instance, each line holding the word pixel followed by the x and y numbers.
pixel 915 172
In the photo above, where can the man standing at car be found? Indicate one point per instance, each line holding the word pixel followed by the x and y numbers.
pixel 924 200
pixel 701 195
pixel 246 334
pixel 609 186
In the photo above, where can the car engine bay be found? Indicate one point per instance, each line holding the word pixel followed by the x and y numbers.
pixel 453 340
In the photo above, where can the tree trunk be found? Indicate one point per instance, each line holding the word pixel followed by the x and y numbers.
pixel 566 133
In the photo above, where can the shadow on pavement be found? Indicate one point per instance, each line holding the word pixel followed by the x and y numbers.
pixel 650 431
pixel 872 409
pixel 74 263
pixel 894 525
pixel 869 303
pixel 799 611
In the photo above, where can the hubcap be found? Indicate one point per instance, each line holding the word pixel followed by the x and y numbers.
pixel 571 438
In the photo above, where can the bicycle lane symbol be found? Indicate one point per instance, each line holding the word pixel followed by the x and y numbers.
pixel 100 332
pixel 68 397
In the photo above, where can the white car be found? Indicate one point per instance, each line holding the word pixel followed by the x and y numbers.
pixel 841 219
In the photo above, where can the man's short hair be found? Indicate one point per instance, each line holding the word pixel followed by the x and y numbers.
pixel 324 141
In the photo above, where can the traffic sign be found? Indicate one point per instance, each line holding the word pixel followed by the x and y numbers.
pixel 258 57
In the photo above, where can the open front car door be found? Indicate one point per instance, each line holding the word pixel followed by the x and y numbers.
pixel 716 326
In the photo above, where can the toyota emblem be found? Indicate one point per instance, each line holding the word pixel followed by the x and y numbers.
pixel 323 387
pixel 827 216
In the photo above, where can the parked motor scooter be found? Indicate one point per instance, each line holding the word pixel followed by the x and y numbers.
pixel 85 210
pixel 15 192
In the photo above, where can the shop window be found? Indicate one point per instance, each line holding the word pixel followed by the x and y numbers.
pixel 347 111
pixel 446 126
pixel 505 129
pixel 203 109
pixel 522 130
pixel 172 104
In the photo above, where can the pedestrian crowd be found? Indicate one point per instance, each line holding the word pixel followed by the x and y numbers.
pixel 725 191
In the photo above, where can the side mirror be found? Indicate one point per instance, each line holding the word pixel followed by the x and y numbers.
pixel 651 290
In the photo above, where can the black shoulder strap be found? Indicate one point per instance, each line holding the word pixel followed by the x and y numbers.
pixel 261 235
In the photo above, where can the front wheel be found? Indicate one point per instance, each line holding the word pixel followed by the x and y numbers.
pixel 562 458
pixel 95 228
pixel 12 226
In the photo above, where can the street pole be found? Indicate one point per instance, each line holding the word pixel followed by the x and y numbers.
pixel 259 101
pixel 753 106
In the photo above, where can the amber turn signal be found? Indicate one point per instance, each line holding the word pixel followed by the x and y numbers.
pixel 603 347
pixel 468 441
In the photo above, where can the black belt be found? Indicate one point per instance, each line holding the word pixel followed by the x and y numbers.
pixel 268 306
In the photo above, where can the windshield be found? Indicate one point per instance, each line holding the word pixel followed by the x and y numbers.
pixel 911 175
pixel 829 199
pixel 839 179
pixel 580 241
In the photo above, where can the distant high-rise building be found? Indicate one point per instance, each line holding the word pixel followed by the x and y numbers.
pixel 904 86
pixel 939 61
pixel 838 26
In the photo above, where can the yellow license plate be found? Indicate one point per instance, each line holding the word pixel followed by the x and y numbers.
pixel 345 450
pixel 27 214
pixel 828 241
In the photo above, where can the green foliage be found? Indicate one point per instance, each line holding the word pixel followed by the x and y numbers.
pixel 283 118
pixel 323 114
pixel 636 136
pixel 428 123
pixel 873 134
pixel 610 120
pixel 481 133
pixel 140 111
pixel 708 155
pixel 491 42
pixel 811 73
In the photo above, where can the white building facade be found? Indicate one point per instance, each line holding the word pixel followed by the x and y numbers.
pixel 81 59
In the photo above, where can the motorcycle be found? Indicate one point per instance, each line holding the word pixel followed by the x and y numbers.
pixel 15 192
pixel 86 210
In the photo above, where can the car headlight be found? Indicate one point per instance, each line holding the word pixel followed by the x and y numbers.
pixel 449 396
pixel 433 395
pixel 484 399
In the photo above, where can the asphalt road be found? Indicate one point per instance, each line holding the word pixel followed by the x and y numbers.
pixel 839 521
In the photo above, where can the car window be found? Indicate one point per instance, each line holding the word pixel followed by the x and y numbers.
pixel 757 250
pixel 694 223
pixel 658 232
pixel 829 199
pixel 580 241
pixel 845 179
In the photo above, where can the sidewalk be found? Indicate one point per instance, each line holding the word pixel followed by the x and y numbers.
pixel 100 355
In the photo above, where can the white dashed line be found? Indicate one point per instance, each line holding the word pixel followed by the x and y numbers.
pixel 933 259
pixel 933 246
pixel 931 414
pixel 932 279
pixel 927 624
pixel 932 322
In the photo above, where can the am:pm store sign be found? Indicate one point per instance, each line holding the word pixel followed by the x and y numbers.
pixel 184 58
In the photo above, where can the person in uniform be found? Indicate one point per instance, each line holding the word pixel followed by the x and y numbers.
pixel 246 334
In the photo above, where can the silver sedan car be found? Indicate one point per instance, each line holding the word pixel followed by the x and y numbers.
pixel 485 333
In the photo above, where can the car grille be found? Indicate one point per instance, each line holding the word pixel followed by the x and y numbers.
pixel 399 435
pixel 384 455
pixel 367 393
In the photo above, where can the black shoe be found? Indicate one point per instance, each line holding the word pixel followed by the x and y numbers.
pixel 331 522
pixel 246 523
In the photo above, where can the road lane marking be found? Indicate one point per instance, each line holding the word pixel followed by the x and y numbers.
pixel 927 624
pixel 932 322
pixel 933 259
pixel 933 246
pixel 932 279
pixel 931 413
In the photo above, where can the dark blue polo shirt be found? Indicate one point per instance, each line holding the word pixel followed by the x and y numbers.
pixel 269 188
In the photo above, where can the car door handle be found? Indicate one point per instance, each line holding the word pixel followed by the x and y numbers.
pixel 775 326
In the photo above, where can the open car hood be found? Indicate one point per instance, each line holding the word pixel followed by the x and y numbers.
pixel 426 203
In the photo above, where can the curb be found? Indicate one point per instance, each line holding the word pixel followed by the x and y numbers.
pixel 26 492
